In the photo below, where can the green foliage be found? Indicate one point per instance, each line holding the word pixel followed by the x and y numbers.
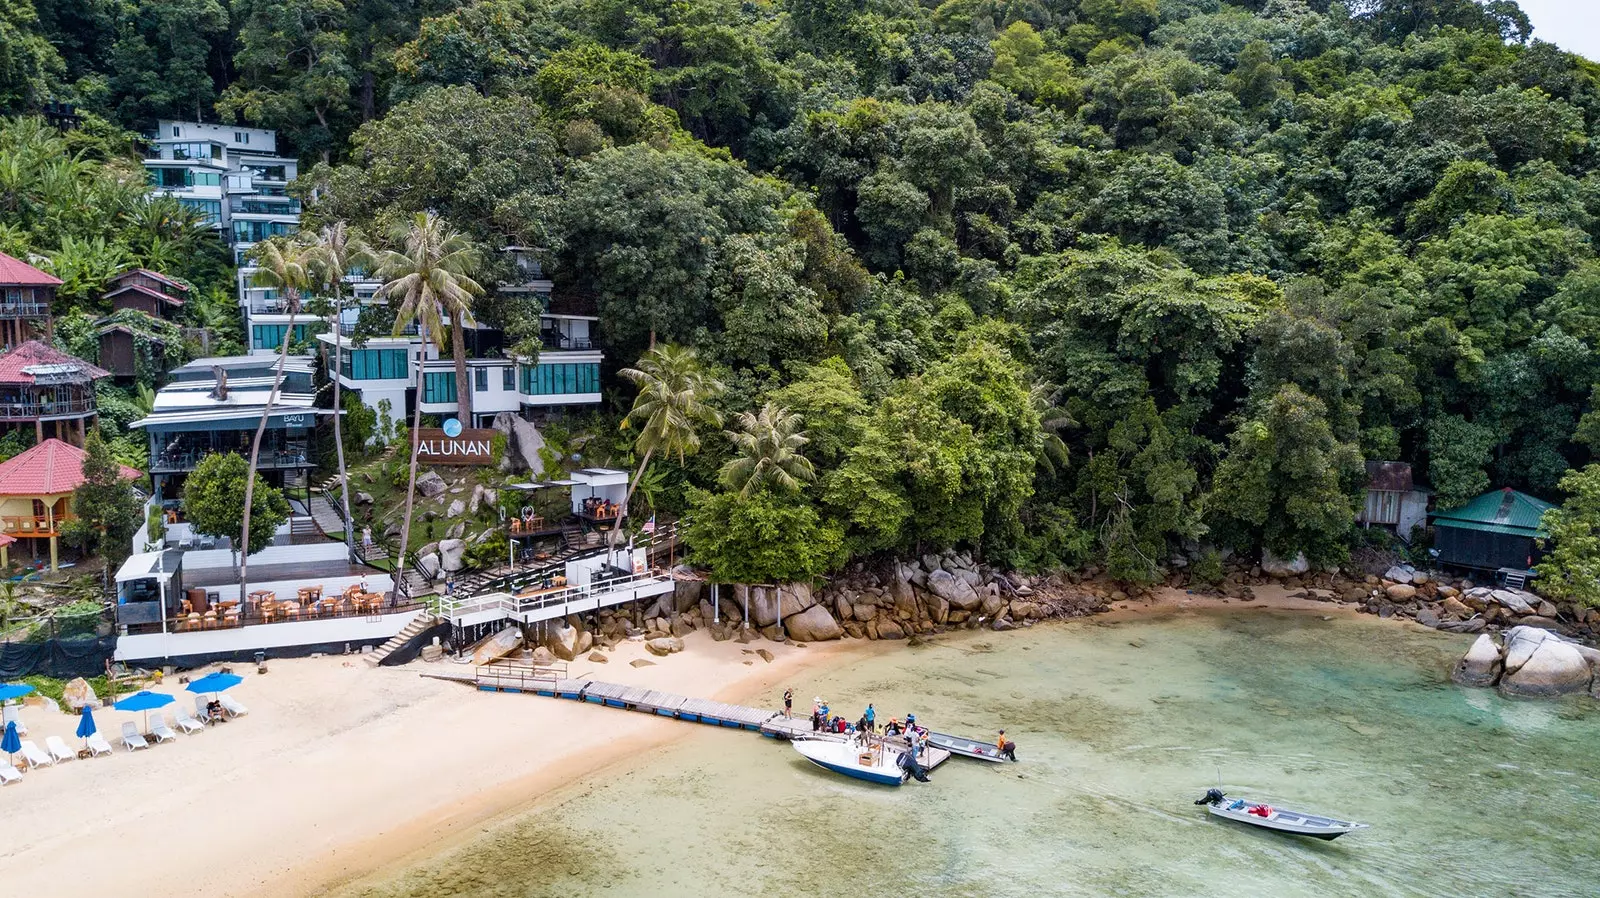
pixel 213 500
pixel 105 504
pixel 761 538
pixel 1570 568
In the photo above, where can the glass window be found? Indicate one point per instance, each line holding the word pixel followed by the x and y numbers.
pixel 212 209
pixel 176 132
pixel 508 378
pixel 267 336
pixel 555 380
pixel 238 137
pixel 375 364
pixel 480 380
pixel 439 386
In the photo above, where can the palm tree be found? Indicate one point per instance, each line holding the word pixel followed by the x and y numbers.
pixel 280 263
pixel 767 444
pixel 431 279
pixel 1053 453
pixel 335 252
pixel 674 398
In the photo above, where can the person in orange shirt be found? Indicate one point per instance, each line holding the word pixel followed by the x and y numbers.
pixel 1008 749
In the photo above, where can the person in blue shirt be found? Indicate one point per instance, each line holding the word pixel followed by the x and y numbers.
pixel 871 718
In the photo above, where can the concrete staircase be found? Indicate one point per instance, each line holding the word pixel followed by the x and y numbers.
pixel 422 621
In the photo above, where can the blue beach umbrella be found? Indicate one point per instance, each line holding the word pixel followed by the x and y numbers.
pixel 9 691
pixel 12 743
pixel 145 701
pixel 86 725
pixel 214 682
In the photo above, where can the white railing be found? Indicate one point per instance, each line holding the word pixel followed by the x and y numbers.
pixel 498 605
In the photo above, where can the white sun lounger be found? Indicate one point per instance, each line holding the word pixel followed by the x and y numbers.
pixel 98 745
pixel 131 740
pixel 186 721
pixel 35 757
pixel 9 775
pixel 58 749
pixel 160 729
pixel 233 708
pixel 12 716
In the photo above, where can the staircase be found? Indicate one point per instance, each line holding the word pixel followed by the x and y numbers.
pixel 1514 579
pixel 422 621
pixel 325 514
pixel 303 526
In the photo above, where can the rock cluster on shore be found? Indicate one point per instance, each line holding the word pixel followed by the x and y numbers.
pixel 1530 662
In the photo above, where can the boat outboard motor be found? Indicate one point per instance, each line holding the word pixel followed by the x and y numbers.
pixel 910 765
pixel 1213 796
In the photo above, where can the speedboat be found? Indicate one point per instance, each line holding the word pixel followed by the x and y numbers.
pixel 1281 820
pixel 873 762
pixel 967 748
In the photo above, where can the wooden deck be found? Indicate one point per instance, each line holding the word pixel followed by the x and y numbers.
pixel 771 724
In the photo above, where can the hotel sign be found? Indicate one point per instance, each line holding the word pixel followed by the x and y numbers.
pixel 466 447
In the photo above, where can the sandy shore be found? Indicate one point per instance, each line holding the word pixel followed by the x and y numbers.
pixel 339 770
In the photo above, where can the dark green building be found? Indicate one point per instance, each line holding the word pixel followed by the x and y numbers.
pixel 1496 530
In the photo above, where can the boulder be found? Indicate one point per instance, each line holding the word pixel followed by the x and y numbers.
pixel 1455 608
pixel 1427 617
pixel 663 646
pixel 523 442
pixel 452 554
pixel 1400 592
pixel 992 605
pixel 431 485
pixel 1446 592
pixel 814 624
pixel 1546 609
pixel 456 509
pixel 78 693
pixel 765 655
pixel 890 629
pixel 1420 577
pixel 1521 642
pixel 1480 666
pixel 794 598
pixel 599 658
pixel 564 643
pixel 686 595
pixel 542 655
pixel 1555 668
pixel 641 662
pixel 1398 574
pixel 497 646
pixel 930 563
pixel 361 498
pixel 429 563
pixel 936 606
pixel 456 531
pixel 958 592
pixel 1511 599
pixel 1273 566
pixel 763 603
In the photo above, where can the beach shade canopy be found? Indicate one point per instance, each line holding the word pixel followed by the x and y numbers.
pixel 215 682
pixel 86 723
pixel 9 691
pixel 145 701
pixel 12 743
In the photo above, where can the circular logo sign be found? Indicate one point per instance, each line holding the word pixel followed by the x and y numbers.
pixel 452 428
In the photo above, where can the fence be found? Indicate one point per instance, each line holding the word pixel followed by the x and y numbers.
pixel 59 644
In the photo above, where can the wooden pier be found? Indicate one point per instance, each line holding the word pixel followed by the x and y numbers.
pixel 538 681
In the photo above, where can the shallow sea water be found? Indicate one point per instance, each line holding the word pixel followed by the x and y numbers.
pixel 1121 725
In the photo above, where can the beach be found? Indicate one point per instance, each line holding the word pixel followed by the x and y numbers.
pixel 338 770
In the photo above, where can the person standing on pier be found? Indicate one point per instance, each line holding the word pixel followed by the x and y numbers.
pixel 871 717
pixel 788 703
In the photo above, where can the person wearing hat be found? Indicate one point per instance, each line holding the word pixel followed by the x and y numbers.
pixel 1008 749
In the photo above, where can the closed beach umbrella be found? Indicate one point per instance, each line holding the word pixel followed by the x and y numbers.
pixel 12 743
pixel 10 691
pixel 86 725
pixel 145 701
pixel 214 683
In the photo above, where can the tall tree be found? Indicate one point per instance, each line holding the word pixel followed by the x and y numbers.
pixel 1571 568
pixel 335 253
pixel 430 277
pixel 295 71
pixel 674 400
pixel 767 448
pixel 214 499
pixel 281 264
pixel 105 501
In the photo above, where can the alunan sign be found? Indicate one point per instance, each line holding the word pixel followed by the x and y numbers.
pixel 467 447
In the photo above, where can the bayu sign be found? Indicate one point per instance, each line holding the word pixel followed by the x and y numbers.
pixel 456 445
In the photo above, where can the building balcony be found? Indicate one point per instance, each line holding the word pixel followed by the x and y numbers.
pixel 24 309
pixel 33 525
pixel 181 461
pixel 33 411
pixel 557 341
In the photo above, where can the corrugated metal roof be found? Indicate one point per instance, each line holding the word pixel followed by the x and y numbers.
pixel 1502 511
pixel 1389 476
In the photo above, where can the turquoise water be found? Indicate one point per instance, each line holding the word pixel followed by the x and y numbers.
pixel 1120 726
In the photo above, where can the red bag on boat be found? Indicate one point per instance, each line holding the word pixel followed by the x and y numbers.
pixel 1260 810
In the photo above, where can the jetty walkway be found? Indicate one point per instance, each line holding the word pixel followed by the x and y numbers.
pixel 536 681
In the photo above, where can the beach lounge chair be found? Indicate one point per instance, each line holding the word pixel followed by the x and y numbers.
pixel 9 774
pixel 11 715
pixel 186 721
pixel 58 749
pixel 233 708
pixel 35 757
pixel 160 729
pixel 131 740
pixel 98 745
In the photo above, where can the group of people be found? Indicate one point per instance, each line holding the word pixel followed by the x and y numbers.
pixel 594 506
pixel 916 737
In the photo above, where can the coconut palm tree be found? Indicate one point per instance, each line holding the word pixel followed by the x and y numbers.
pixel 431 278
pixel 335 252
pixel 280 263
pixel 674 398
pixel 767 446
pixel 1053 453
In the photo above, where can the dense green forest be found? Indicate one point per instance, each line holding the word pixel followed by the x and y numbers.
pixel 1061 280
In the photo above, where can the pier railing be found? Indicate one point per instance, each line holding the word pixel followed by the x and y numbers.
pixel 484 607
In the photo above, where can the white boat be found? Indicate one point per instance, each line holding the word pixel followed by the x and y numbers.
pixel 874 762
pixel 967 748
pixel 1265 816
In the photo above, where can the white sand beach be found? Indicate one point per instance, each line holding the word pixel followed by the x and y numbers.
pixel 337 771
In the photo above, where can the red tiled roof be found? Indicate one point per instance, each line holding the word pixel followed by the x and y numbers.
pixel 156 275
pixel 35 353
pixel 147 291
pixel 16 271
pixel 48 469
